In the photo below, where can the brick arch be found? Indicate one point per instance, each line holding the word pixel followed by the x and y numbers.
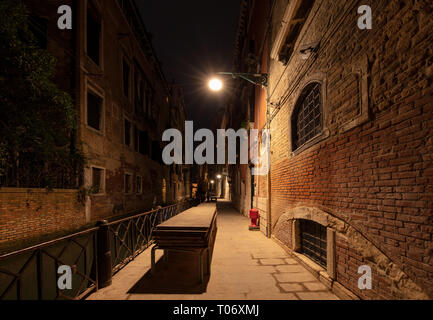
pixel 401 285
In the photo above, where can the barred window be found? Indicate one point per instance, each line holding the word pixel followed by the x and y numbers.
pixel 307 115
pixel 313 241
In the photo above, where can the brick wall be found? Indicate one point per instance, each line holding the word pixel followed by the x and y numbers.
pixel 372 172
pixel 29 213
pixel 348 261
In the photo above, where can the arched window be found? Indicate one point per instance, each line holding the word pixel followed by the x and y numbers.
pixel 307 119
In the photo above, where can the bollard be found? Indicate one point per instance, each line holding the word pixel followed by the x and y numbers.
pixel 103 255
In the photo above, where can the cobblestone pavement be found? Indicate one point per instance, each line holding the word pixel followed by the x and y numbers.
pixel 245 265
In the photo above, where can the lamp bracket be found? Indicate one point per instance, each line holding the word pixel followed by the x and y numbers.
pixel 254 78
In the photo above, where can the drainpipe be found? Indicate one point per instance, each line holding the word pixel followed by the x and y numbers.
pixel 268 191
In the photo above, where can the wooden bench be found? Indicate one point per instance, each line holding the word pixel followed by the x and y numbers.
pixel 192 230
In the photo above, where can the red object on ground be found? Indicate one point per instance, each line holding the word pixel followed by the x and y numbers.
pixel 254 215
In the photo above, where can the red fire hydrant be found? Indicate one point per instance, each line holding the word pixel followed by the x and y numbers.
pixel 254 215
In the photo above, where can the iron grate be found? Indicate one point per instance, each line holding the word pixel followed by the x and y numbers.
pixel 307 117
pixel 313 241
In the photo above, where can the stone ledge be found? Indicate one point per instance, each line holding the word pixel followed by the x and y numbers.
pixel 35 190
pixel 342 292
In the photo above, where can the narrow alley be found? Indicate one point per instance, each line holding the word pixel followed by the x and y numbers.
pixel 216 150
pixel 245 265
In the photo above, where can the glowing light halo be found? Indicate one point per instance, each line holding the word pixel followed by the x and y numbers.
pixel 215 84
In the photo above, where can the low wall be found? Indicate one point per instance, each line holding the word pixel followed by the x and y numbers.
pixel 30 213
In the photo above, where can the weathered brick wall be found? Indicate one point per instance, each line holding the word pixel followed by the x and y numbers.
pixel 348 261
pixel 375 175
pixel 29 213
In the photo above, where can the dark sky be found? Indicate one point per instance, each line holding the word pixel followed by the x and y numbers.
pixel 193 39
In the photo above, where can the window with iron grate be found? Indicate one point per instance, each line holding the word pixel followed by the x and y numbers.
pixel 307 116
pixel 313 241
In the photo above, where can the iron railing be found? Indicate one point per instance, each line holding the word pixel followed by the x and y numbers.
pixel 31 273
pixel 131 236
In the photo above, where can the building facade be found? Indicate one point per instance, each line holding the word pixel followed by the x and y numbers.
pixel 106 62
pixel 350 116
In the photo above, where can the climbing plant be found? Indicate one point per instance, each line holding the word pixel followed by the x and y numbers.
pixel 37 119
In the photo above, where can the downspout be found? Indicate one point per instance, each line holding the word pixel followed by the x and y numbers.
pixel 268 39
pixel 268 177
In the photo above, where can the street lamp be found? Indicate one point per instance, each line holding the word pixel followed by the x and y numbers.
pixel 260 79
pixel 219 177
pixel 215 84
pixel 257 79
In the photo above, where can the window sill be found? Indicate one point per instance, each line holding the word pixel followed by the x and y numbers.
pixel 100 132
pixel 99 195
pixel 313 141
pixel 358 121
pixel 94 64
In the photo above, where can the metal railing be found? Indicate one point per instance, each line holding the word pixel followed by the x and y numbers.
pixel 31 273
pixel 93 255
pixel 131 236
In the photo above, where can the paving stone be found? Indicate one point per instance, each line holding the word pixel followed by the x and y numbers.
pixel 273 296
pixel 315 286
pixel 267 255
pixel 317 296
pixel 292 287
pixel 290 261
pixel 294 277
pixel 271 262
pixel 290 268
pixel 235 273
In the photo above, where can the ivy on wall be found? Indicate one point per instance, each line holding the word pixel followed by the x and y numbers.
pixel 37 119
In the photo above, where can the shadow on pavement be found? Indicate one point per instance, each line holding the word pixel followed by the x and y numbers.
pixel 181 276
pixel 226 208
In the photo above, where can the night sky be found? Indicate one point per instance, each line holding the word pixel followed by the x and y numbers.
pixel 194 39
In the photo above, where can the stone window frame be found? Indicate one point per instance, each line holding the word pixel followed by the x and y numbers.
pixel 330 246
pixel 131 144
pixel 320 78
pixel 136 133
pixel 97 7
pixel 139 191
pixel 140 86
pixel 131 191
pixel 301 124
pixel 96 90
pixel 103 178
pixel 125 58
pixel 360 69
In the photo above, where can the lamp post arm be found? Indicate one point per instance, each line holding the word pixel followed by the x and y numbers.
pixel 254 78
